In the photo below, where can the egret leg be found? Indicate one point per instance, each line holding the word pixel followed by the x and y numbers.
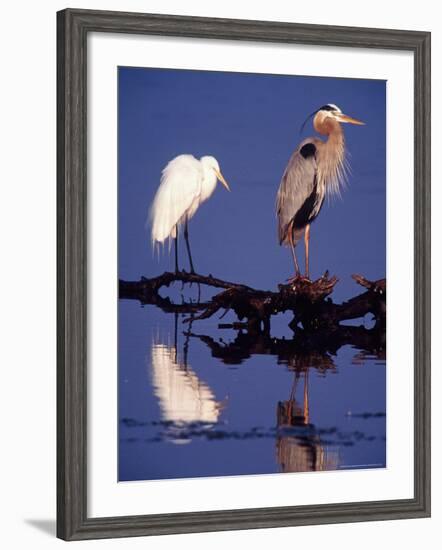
pixel 307 242
pixel 176 249
pixel 175 347
pixel 186 236
pixel 292 247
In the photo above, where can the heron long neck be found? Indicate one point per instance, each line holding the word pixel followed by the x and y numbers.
pixel 331 162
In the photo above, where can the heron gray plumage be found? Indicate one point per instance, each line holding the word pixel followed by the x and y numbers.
pixel 315 169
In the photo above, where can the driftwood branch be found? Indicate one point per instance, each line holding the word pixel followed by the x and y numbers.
pixel 148 294
pixel 147 290
pixel 308 300
pixel 168 277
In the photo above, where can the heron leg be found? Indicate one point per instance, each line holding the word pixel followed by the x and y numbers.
pixel 186 236
pixel 292 247
pixel 295 261
pixel 306 411
pixel 176 249
pixel 307 242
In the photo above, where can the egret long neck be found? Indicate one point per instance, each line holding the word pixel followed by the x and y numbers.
pixel 208 183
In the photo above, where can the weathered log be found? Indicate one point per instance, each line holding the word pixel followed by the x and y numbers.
pixel 146 294
pixel 168 277
pixel 308 300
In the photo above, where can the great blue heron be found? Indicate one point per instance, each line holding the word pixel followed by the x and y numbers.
pixel 315 168
pixel 185 184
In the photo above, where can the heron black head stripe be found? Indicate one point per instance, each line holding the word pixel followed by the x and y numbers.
pixel 323 108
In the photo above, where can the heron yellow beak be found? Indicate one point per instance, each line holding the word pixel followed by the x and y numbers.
pixel 222 180
pixel 344 118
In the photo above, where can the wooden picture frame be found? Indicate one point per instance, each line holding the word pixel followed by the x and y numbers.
pixel 73 27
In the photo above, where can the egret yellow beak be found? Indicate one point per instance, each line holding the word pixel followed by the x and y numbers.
pixel 344 118
pixel 222 180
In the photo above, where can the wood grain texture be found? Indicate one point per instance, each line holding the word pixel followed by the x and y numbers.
pixel 72 29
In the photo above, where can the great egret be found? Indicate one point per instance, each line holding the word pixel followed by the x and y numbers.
pixel 315 168
pixel 185 184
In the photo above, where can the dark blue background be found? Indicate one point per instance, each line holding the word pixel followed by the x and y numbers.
pixel 251 124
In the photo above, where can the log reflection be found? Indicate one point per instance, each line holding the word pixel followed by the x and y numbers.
pixel 300 447
pixel 305 350
pixel 189 408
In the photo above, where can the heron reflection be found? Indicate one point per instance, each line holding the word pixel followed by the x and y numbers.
pixel 298 445
pixel 190 409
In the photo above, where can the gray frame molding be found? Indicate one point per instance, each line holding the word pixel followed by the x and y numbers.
pixel 73 27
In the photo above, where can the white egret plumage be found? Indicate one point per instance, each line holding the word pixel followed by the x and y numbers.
pixel 186 183
pixel 183 396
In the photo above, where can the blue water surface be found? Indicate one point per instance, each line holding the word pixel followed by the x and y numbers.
pixel 202 401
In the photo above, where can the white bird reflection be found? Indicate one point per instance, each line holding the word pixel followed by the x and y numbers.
pixel 183 397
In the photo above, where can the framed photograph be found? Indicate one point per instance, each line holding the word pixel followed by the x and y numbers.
pixel 234 199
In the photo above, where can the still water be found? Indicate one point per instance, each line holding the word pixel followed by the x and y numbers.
pixel 196 400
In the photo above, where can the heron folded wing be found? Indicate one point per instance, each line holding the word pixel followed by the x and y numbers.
pixel 297 191
pixel 176 197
